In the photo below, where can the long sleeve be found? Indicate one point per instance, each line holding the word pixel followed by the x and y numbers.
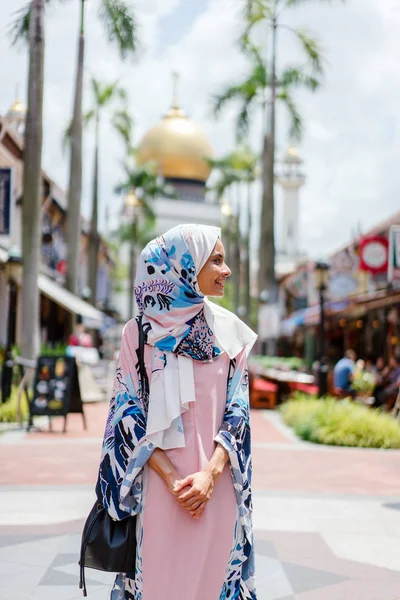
pixel 125 449
pixel 234 437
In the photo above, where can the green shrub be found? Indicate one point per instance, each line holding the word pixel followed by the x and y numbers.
pixel 279 362
pixel 8 410
pixel 340 423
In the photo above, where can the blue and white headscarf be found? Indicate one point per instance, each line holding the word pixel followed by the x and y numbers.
pixel 182 325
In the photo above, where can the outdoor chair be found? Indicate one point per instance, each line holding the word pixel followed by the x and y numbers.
pixel 263 393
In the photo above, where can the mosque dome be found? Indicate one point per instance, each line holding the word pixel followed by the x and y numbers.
pixel 17 109
pixel 178 146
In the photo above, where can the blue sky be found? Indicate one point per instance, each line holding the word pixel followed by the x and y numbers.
pixel 351 143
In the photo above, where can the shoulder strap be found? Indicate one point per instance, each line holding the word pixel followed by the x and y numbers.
pixel 142 366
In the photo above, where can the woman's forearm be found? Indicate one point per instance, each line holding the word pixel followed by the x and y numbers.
pixel 161 464
pixel 217 463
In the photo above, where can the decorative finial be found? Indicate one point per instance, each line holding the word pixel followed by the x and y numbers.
pixel 175 82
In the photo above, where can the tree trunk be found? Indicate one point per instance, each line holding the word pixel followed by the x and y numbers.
pixel 94 228
pixel 132 267
pixel 73 225
pixel 267 280
pixel 32 188
pixel 248 259
pixel 236 255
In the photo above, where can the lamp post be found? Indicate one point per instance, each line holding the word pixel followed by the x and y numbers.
pixel 13 270
pixel 133 203
pixel 321 282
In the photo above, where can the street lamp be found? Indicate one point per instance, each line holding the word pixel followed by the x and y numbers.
pixel 133 203
pixel 321 274
pixel 13 273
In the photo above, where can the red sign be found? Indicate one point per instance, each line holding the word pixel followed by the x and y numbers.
pixel 374 254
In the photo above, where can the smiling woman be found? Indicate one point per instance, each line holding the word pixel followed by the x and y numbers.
pixel 215 272
pixel 167 445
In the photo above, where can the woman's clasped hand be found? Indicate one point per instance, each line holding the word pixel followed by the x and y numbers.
pixel 194 491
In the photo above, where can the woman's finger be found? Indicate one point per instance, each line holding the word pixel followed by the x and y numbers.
pixel 183 483
pixel 192 503
pixel 191 493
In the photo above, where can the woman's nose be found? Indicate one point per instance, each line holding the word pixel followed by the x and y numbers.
pixel 226 271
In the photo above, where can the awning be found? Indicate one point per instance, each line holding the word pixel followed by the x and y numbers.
pixel 91 317
pixel 288 326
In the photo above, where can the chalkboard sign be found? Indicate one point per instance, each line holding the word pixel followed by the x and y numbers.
pixel 56 388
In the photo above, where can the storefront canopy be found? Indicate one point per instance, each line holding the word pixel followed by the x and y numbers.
pixel 91 317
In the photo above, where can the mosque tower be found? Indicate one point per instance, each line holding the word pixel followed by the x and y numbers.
pixel 291 178
pixel 180 149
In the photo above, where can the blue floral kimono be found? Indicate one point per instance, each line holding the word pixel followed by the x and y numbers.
pixel 168 296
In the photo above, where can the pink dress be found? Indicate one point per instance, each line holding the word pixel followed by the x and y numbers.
pixel 184 559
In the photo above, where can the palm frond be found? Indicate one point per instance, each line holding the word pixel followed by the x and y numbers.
pixel 219 101
pixel 120 25
pixel 296 125
pixel 311 48
pixel 298 77
pixel 123 124
pixel 88 117
pixel 66 137
pixel 18 30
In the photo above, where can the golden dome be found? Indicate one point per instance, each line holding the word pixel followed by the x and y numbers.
pixel 178 146
pixel 17 108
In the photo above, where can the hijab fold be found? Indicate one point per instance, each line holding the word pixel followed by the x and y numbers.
pixel 182 325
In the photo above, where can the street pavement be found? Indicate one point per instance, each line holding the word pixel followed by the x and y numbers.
pixel 326 520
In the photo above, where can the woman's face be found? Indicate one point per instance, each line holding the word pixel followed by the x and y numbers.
pixel 215 272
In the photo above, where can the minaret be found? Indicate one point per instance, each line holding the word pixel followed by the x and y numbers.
pixel 291 179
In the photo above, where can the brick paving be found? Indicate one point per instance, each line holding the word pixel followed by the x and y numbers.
pixel 324 528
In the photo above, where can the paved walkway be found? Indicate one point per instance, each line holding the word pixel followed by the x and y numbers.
pixel 327 520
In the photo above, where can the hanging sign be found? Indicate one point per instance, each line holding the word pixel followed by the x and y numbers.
pixel 374 252
pixel 6 190
pixel 394 256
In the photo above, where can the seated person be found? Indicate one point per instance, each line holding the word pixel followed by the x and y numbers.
pixel 343 373
pixel 389 387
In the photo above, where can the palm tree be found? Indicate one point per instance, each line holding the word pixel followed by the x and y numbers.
pixel 236 169
pixel 104 96
pixel 32 188
pixel 120 28
pixel 260 81
pixel 145 185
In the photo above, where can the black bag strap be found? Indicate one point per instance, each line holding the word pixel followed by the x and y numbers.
pixel 142 366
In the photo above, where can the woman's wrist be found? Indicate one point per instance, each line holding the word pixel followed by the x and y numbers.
pixel 217 463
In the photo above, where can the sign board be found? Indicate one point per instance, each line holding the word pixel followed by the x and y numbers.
pixel 394 256
pixel 343 271
pixel 374 254
pixel 56 388
pixel 6 200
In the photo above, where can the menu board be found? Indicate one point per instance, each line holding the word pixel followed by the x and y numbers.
pixel 56 389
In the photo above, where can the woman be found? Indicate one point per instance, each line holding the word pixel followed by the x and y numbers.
pixel 165 455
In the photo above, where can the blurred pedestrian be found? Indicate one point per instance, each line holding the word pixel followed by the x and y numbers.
pixel 343 374
pixel 165 454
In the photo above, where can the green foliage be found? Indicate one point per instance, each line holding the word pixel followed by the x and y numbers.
pixel 120 25
pixel 8 410
pixel 291 363
pixel 363 382
pixel 59 349
pixel 340 423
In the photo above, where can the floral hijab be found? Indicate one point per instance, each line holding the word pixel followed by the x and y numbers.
pixel 181 325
